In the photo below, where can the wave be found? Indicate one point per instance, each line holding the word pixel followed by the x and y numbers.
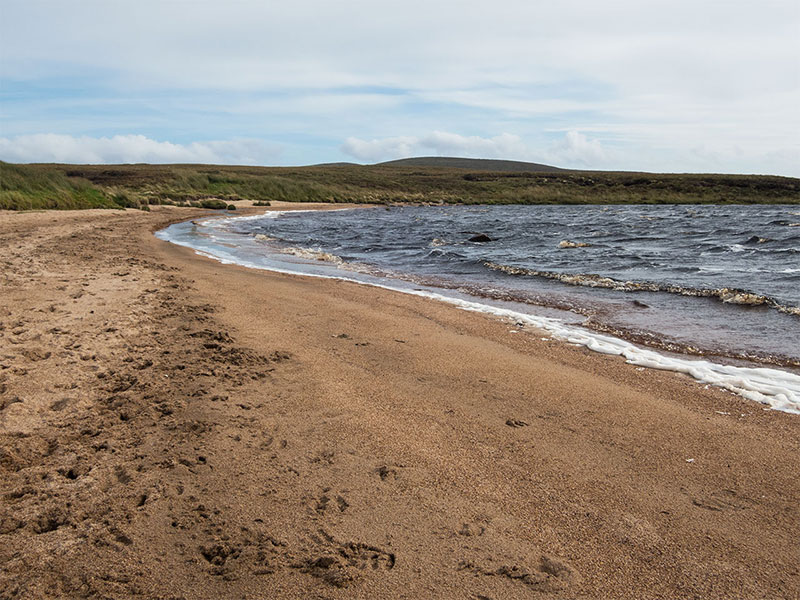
pixel 311 254
pixel 568 244
pixel 726 295
pixel 780 390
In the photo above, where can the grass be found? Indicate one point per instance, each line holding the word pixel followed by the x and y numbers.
pixel 39 187
pixel 137 186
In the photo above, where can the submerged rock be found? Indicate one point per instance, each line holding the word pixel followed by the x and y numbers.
pixel 757 240
pixel 481 237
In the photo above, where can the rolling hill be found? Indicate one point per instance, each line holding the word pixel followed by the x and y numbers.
pixel 472 164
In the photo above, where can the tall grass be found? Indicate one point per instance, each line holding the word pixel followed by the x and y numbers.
pixel 29 187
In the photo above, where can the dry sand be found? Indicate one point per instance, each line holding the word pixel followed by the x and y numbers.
pixel 171 427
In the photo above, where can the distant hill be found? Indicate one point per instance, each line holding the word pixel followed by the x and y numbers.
pixel 473 164
pixel 336 164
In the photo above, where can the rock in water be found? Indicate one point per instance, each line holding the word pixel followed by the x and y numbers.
pixel 481 237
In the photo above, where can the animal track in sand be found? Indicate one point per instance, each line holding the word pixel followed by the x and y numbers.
pixel 340 564
pixel 328 500
pixel 550 574
pixel 36 354
pixel 470 530
pixel 73 463
pixel 325 457
pixel 229 555
pixel 385 472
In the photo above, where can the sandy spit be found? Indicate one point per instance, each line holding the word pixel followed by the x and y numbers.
pixel 171 427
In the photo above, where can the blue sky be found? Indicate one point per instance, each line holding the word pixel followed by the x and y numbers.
pixel 637 85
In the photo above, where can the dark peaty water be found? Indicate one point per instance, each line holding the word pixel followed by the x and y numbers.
pixel 721 279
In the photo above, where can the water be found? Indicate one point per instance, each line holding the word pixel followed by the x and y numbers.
pixel 712 281
pixel 723 280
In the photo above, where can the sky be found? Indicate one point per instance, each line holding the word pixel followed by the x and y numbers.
pixel 646 85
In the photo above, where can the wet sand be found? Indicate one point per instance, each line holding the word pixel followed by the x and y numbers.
pixel 171 427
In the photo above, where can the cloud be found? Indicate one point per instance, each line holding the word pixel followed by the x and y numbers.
pixel 377 150
pixel 663 44
pixel 50 147
pixel 650 80
pixel 440 143
pixel 574 150
pixel 577 150
pixel 501 146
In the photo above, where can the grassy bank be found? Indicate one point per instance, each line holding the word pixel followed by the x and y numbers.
pixel 30 187
pixel 89 186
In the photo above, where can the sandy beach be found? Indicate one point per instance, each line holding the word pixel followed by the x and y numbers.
pixel 172 427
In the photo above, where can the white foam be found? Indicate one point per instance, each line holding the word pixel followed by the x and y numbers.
pixel 311 254
pixel 780 390
pixel 270 214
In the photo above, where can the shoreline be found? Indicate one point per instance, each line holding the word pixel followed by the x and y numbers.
pixel 185 428
pixel 778 389
pixel 758 340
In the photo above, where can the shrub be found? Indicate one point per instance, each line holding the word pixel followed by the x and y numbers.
pixel 125 200
pixel 213 203
pixel 231 207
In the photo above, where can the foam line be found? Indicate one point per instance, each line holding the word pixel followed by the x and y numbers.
pixel 780 390
pixel 727 295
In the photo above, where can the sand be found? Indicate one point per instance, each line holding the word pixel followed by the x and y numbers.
pixel 171 427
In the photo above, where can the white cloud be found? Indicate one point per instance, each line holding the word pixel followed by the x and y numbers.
pixel 574 150
pixel 577 150
pixel 440 143
pixel 377 150
pixel 49 147
pixel 703 49
pixel 655 79
pixel 501 146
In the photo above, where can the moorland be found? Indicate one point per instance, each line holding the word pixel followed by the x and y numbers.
pixel 420 180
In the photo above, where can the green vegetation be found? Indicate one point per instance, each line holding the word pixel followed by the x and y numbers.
pixel 417 180
pixel 213 203
pixel 39 186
